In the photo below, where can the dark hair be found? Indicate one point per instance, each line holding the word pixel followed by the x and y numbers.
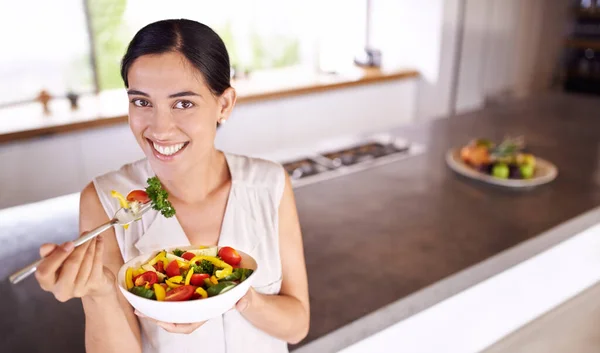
pixel 203 48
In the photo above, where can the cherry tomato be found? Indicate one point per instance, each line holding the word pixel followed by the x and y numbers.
pixel 198 279
pixel 180 293
pixel 188 255
pixel 173 269
pixel 159 266
pixel 149 278
pixel 230 255
pixel 138 195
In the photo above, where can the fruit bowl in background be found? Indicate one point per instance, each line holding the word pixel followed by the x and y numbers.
pixel 504 164
pixel 190 311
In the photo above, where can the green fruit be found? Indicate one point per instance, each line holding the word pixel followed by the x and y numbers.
pixel 530 160
pixel 526 171
pixel 501 171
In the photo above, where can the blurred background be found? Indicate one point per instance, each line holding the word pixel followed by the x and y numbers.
pixel 361 100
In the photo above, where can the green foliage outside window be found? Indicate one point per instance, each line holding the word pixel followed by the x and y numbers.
pixel 111 37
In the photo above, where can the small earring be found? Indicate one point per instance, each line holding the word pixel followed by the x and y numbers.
pixel 222 120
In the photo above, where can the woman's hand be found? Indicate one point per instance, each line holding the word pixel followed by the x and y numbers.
pixel 247 301
pixel 69 272
pixel 171 327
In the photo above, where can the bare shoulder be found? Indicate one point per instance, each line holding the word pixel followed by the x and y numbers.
pixel 288 199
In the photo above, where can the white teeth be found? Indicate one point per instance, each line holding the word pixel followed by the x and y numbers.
pixel 168 150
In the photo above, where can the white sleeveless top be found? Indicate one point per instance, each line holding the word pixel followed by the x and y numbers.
pixel 250 224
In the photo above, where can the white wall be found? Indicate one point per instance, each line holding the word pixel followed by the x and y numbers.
pixel 42 168
pixel 477 29
pixel 420 34
pixel 509 48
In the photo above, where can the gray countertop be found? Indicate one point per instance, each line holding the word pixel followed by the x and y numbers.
pixel 383 234
pixel 378 236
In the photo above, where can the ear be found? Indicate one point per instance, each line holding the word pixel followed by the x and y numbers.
pixel 226 103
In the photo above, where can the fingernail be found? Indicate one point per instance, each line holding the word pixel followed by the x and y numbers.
pixel 68 246
pixel 242 305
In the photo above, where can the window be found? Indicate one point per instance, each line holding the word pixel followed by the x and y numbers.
pixel 41 52
pixel 62 47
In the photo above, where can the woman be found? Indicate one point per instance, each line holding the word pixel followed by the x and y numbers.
pixel 177 77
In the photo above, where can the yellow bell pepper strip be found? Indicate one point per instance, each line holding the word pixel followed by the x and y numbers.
pixel 161 256
pixel 203 247
pixel 129 278
pixel 188 278
pixel 157 258
pixel 202 292
pixel 226 268
pixel 184 265
pixel 122 201
pixel 224 272
pixel 160 292
pixel 138 272
pixel 214 280
pixel 176 279
pixel 172 284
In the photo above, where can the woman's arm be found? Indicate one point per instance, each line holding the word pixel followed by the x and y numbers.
pixel 287 315
pixel 110 325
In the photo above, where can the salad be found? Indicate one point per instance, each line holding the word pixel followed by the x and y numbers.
pixel 154 193
pixel 506 160
pixel 193 274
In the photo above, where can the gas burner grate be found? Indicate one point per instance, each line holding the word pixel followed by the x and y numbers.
pixel 363 153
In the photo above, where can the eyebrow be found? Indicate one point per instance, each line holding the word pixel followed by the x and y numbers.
pixel 184 94
pixel 175 95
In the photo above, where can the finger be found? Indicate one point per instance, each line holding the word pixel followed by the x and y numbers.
pixel 46 249
pixel 98 264
pixel 84 270
pixel 167 326
pixel 179 328
pixel 244 301
pixel 68 273
pixel 46 271
pixel 171 327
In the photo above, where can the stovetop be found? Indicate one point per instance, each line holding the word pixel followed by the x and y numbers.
pixel 334 161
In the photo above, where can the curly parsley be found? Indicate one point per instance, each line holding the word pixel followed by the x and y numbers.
pixel 159 197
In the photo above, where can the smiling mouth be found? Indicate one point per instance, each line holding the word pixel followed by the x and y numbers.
pixel 168 150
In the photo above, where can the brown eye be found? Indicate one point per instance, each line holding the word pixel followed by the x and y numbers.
pixel 140 103
pixel 184 105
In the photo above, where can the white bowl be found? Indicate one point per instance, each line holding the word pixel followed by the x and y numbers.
pixel 186 311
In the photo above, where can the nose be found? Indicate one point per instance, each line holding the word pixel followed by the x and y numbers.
pixel 162 124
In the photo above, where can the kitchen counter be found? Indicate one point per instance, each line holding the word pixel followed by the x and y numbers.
pixel 380 235
pixel 374 237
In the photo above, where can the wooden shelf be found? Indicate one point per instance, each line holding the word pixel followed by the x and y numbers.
pixel 583 43
pixel 587 14
pixel 27 121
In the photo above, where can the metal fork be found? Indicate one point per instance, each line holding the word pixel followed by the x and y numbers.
pixel 122 217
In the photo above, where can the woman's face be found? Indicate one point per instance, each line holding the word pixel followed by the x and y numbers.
pixel 172 112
